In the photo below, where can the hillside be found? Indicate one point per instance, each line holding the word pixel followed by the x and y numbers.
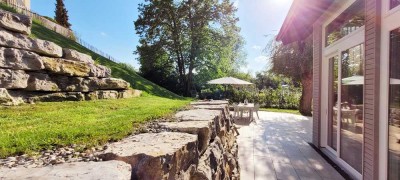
pixel 118 70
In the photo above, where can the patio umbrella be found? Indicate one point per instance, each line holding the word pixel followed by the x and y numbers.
pixel 353 80
pixel 229 81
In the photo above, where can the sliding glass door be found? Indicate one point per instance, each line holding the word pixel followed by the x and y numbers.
pixel 346 105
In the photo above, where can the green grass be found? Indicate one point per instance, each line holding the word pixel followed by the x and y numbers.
pixel 290 111
pixel 30 128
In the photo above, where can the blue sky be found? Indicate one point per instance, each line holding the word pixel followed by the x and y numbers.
pixel 109 26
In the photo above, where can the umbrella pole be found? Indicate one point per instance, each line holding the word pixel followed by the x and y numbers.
pixel 225 92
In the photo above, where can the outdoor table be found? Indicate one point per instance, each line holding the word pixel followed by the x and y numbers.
pixel 246 107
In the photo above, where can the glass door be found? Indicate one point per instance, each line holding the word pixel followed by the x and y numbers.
pixel 346 106
pixel 333 102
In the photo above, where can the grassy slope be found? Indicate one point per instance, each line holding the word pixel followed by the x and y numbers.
pixel 118 70
pixel 30 128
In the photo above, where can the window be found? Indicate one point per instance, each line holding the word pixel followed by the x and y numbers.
pixel 350 20
pixel 394 3
pixel 394 107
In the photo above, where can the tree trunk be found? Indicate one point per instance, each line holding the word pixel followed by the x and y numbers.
pixel 306 95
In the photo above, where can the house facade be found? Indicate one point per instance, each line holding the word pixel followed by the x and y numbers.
pixel 356 81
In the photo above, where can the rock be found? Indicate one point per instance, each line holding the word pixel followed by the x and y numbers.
pixel 15 22
pixel 99 71
pixel 201 128
pixel 77 170
pixel 7 100
pixel 20 59
pixel 130 93
pixel 107 94
pixel 91 96
pixel 74 55
pixel 167 155
pixel 41 82
pixel 66 67
pixel 214 116
pixel 113 83
pixel 56 97
pixel 13 79
pixel 216 102
pixel 73 84
pixel 20 41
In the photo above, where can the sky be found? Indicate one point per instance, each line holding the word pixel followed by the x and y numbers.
pixel 110 26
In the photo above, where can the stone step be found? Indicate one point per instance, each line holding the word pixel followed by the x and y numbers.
pixel 166 155
pixel 79 170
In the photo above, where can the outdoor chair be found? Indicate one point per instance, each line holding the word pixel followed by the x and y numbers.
pixel 235 110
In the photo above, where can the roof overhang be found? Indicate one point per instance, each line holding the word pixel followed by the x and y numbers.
pixel 298 24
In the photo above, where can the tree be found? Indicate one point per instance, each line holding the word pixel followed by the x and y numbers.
pixel 295 61
pixel 200 39
pixel 62 14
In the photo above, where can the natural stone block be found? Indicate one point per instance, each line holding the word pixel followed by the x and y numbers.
pixel 54 97
pixel 216 102
pixel 130 93
pixel 166 155
pixel 66 67
pixel 20 59
pixel 95 95
pixel 13 79
pixel 107 94
pixel 41 82
pixel 15 22
pixel 72 84
pixel 99 71
pixel 214 116
pixel 77 170
pixel 203 129
pixel 74 55
pixel 7 100
pixel 113 83
pixel 20 41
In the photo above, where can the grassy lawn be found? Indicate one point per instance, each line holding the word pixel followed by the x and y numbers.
pixel 30 128
pixel 290 111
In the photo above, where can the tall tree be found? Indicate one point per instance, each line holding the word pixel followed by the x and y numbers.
pixel 62 14
pixel 195 36
pixel 295 61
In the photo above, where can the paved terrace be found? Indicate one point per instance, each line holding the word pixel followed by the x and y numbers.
pixel 276 147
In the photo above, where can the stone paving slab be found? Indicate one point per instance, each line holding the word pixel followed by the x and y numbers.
pixel 80 170
pixel 276 147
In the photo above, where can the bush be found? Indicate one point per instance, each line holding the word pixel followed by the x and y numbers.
pixel 282 98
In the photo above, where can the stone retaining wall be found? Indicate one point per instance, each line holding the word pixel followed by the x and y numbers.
pixel 199 145
pixel 36 70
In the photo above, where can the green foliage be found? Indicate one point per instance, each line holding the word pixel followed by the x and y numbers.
pixel 118 70
pixel 30 128
pixel 62 14
pixel 195 41
pixel 290 111
pixel 282 98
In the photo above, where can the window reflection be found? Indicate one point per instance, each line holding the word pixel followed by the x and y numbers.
pixel 350 20
pixel 394 3
pixel 352 106
pixel 394 105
